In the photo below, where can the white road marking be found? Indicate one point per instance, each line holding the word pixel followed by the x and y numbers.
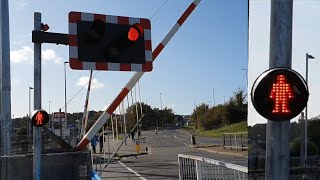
pixel 134 172
pixel 186 144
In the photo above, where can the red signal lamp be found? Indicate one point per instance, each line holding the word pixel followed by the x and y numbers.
pixel 135 32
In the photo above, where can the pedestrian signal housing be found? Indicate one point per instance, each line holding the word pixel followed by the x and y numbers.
pixel 39 118
pixel 279 94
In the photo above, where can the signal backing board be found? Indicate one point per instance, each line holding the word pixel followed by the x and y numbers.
pixel 108 65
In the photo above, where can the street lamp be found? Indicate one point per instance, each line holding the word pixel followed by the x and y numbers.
pixel 245 69
pixel 28 124
pixel 49 114
pixel 161 109
pixel 65 94
pixel 160 101
pixel 308 56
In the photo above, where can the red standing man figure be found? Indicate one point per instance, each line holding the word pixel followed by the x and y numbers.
pixel 39 118
pixel 281 92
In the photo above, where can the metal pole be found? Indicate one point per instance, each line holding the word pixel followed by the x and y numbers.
pixel 117 133
pixel 124 121
pixel 161 110
pixel 29 124
pixel 60 123
pixel 161 101
pixel 245 69
pixel 5 109
pixel 49 114
pixel 37 101
pixel 65 96
pixel 277 139
pixel 214 103
pixel 301 121
pixel 306 122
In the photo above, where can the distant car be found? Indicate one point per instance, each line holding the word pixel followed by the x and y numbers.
pixel 156 131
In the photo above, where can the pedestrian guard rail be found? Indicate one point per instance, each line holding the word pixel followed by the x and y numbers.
pixel 196 168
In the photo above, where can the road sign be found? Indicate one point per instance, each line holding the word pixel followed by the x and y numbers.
pixel 39 118
pixel 279 94
pixel 110 43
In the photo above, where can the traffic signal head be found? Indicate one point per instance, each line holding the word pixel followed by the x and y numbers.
pixel 279 94
pixel 104 42
pixel 39 118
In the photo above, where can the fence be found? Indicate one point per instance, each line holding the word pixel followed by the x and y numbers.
pixel 258 162
pixel 257 168
pixel 21 144
pixel 235 140
pixel 195 167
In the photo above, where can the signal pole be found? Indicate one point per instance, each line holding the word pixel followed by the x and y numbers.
pixel 277 140
pixel 37 101
pixel 5 82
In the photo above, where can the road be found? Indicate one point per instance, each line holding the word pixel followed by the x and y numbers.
pixel 163 162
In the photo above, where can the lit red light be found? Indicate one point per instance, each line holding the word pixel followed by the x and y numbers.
pixel 133 34
pixel 281 92
pixel 135 31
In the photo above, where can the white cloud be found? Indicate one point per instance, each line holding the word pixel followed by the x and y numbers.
pixel 51 56
pixel 95 84
pixel 15 83
pixel 20 4
pixel 25 55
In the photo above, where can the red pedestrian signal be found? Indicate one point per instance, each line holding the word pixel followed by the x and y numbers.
pixel 279 94
pixel 39 118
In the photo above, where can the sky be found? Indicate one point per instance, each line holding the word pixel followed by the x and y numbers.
pixel 202 62
pixel 305 39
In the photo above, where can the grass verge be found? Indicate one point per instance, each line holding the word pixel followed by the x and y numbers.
pixel 232 128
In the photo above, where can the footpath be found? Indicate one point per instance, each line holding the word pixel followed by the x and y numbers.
pixel 214 146
pixel 115 168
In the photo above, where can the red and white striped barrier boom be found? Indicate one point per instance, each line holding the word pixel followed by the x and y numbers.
pixel 85 111
pixel 106 114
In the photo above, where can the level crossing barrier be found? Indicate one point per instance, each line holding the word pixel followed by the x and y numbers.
pixel 195 167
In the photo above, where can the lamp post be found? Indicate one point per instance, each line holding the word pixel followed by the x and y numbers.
pixel 49 114
pixel 65 94
pixel 308 56
pixel 29 125
pixel 161 109
pixel 214 103
pixel 245 69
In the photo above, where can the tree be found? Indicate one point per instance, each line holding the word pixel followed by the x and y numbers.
pixel 198 115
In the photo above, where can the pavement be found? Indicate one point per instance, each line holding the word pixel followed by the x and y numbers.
pixel 162 160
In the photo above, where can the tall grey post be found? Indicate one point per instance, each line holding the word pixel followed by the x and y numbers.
pixel 305 164
pixel 5 101
pixel 65 96
pixel 37 101
pixel 277 140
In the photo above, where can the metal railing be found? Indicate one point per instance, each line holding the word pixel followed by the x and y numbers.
pixel 237 141
pixel 195 167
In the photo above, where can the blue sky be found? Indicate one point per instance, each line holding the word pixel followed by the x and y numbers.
pixel 208 51
pixel 305 39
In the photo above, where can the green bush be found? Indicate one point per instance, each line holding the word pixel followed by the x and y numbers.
pixel 295 148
